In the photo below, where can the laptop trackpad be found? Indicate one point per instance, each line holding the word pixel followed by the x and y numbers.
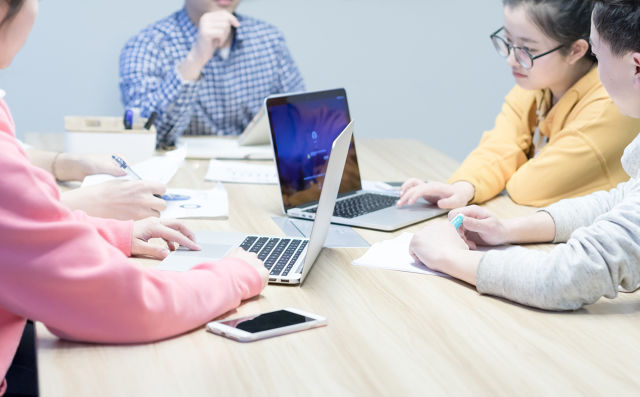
pixel 183 260
pixel 215 245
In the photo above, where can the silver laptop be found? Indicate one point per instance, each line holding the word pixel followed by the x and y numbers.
pixel 303 126
pixel 257 131
pixel 288 260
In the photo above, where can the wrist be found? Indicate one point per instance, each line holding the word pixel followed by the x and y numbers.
pixel 191 67
pixel 54 167
pixel 72 199
pixel 467 190
pixel 463 265
pixel 67 167
pixel 512 228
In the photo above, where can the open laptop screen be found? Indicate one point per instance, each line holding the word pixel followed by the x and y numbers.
pixel 303 127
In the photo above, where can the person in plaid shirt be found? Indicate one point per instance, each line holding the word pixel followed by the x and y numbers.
pixel 205 70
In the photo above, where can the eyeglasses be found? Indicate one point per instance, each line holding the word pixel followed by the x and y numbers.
pixel 522 54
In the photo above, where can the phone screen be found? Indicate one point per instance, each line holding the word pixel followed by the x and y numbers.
pixel 267 321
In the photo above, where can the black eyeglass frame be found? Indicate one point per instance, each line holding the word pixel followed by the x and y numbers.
pixel 494 36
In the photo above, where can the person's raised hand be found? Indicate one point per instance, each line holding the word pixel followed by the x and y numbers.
pixel 214 31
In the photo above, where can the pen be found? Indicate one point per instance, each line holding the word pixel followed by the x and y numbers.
pixel 457 221
pixel 150 120
pixel 123 164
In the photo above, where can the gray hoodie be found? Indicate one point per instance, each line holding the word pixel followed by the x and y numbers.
pixel 601 250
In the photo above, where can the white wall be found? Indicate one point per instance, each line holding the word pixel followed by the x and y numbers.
pixel 412 68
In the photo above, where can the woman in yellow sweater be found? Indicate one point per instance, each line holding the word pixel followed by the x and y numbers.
pixel 559 134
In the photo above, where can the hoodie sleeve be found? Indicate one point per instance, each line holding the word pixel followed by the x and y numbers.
pixel 70 273
pixel 594 262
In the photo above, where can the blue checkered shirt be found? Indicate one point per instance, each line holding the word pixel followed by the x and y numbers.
pixel 229 91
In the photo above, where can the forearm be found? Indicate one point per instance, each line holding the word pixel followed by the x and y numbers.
pixel 463 265
pixel 118 233
pixel 159 88
pixel 571 214
pixel 78 199
pixel 502 150
pixel 191 67
pixel 42 158
pixel 489 167
pixel 63 166
pixel 569 167
pixel 593 263
pixel 151 305
pixel 536 228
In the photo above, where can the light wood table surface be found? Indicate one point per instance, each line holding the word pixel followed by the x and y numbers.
pixel 389 333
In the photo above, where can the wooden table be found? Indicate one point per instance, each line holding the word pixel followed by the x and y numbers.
pixel 389 333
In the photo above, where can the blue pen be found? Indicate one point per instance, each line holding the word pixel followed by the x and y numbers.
pixel 457 221
pixel 123 164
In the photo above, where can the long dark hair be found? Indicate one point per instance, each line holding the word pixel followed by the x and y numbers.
pixel 565 21
pixel 14 8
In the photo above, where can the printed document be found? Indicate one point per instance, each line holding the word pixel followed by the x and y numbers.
pixel 196 204
pixel 239 172
pixel 224 148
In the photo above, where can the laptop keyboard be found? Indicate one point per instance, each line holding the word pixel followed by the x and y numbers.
pixel 360 205
pixel 278 254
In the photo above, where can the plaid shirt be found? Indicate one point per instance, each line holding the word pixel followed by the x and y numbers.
pixel 229 91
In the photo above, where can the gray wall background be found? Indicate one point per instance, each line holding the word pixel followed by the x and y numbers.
pixel 412 68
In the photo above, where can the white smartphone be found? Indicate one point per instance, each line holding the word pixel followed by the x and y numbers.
pixel 266 325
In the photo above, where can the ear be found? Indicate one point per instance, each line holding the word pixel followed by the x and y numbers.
pixel 635 57
pixel 578 50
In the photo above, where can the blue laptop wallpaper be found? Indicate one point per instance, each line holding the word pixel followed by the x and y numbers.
pixel 303 127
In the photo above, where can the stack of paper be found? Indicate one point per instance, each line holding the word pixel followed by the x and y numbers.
pixel 394 255
pixel 200 204
pixel 239 172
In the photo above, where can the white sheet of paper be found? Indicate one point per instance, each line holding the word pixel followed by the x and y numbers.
pixel 239 172
pixel 380 187
pixel 394 254
pixel 200 204
pixel 224 148
pixel 158 168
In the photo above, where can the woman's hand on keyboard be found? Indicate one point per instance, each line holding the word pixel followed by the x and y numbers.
pixel 444 195
pixel 252 259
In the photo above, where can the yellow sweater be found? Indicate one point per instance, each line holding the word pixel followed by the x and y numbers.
pixel 587 135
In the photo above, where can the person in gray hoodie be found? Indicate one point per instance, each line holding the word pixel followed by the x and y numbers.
pixel 599 234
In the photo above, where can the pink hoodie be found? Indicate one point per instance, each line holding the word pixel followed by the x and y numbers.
pixel 71 272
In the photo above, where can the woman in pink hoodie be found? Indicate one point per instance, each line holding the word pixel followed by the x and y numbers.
pixel 71 272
